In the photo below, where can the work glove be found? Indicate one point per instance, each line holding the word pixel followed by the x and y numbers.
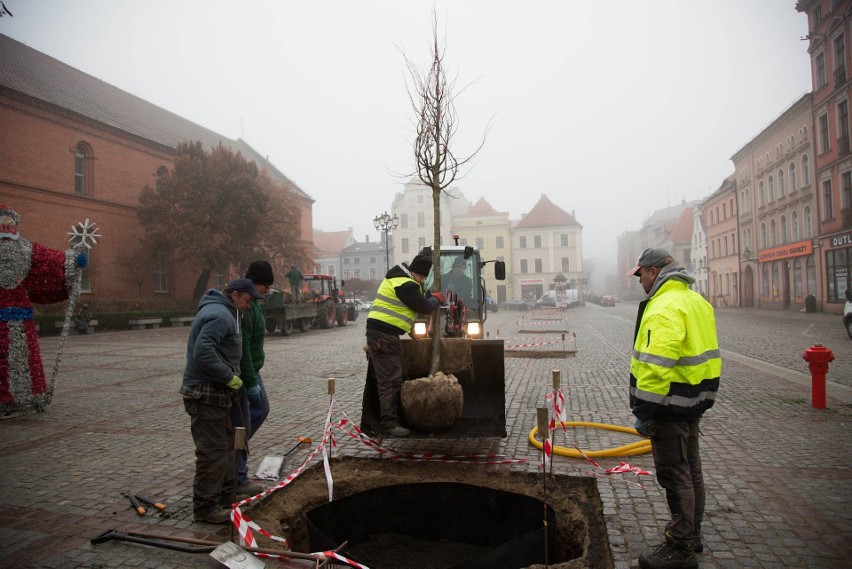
pixel 82 259
pixel 641 427
pixel 254 394
pixel 439 295
pixel 235 383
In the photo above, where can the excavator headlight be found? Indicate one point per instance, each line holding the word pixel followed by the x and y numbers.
pixel 420 329
pixel 474 330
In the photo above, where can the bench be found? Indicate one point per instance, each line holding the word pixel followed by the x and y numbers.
pixel 182 321
pixel 93 326
pixel 145 323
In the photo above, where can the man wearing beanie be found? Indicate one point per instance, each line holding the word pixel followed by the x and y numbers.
pixel 399 299
pixel 254 405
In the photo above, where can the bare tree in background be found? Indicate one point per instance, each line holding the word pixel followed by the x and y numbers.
pixel 432 98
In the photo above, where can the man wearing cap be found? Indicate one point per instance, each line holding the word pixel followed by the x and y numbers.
pixel 210 380
pixel 254 405
pixel 399 299
pixel 456 280
pixel 674 377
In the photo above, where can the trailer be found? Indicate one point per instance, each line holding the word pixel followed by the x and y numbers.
pixel 283 313
pixel 320 304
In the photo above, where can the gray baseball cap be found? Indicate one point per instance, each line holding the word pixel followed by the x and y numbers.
pixel 650 257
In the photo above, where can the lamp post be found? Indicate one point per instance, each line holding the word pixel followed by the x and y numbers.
pixel 386 223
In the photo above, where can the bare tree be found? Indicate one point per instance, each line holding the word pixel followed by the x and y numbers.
pixel 432 96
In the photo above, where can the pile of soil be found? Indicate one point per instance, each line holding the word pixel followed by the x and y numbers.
pixel 581 533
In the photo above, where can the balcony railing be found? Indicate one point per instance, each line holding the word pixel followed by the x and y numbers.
pixel 846 216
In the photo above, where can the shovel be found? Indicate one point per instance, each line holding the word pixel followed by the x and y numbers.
pixel 302 441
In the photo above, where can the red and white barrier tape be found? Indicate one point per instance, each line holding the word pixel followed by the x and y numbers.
pixel 533 344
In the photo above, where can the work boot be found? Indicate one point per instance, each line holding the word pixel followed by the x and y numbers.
pixel 676 555
pixel 250 488
pixel 398 431
pixel 697 545
pixel 217 516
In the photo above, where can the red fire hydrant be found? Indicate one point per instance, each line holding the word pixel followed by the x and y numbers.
pixel 818 357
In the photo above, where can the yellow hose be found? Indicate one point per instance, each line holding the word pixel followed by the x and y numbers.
pixel 639 447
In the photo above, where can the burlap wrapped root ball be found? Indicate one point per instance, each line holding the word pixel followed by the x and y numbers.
pixel 432 403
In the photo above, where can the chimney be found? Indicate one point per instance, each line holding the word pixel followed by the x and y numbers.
pixel 367 238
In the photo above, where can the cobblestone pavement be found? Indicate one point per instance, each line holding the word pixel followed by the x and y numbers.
pixel 777 470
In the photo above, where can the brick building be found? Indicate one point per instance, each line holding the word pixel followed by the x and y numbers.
pixel 75 147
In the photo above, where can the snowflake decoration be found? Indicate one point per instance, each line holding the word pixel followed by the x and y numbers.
pixel 82 233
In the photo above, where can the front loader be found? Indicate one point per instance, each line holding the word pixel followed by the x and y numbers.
pixel 477 362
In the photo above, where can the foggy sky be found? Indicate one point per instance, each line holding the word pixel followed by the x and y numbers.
pixel 612 109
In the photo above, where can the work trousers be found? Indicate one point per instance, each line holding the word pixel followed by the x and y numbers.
pixel 385 353
pixel 253 415
pixel 213 435
pixel 678 464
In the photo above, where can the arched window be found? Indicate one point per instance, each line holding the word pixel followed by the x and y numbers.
pixel 797 277
pixel 783 229
pixel 782 191
pixel 761 195
pixel 84 160
pixel 794 183
pixel 806 171
pixel 794 219
pixel 763 236
pixel 809 226
pixel 162 174
pixel 771 190
pixel 773 233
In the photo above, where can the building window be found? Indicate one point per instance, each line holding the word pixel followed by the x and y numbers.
pixel 346 273
pixel 421 242
pixel 837 271
pixel 797 278
pixel 773 233
pixel 765 281
pixel 827 203
pixel 499 242
pixel 161 273
pixel 771 189
pixel 783 229
pixel 794 220
pixel 372 258
pixel 332 271
pixel 824 139
pixel 563 239
pixel 566 265
pixel 346 260
pixel 480 243
pixel 84 161
pixel 839 59
pixel 809 224
pixel 846 190
pixel 820 71
pixel 538 265
pixel 806 171
pixel 403 221
pixel 763 236
pixel 794 183
pixel 524 268
pixel 522 242
pixel 372 273
pixel 404 245
pixel 782 191
pixel 843 127
pixel 537 241
pixel 761 195
pixel 356 273
pixel 421 219
pixel 356 260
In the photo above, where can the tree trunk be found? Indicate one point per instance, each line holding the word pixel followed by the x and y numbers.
pixel 200 285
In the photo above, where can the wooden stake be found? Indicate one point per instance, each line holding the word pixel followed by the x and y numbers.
pixel 544 431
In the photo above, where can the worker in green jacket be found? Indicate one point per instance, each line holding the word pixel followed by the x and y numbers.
pixel 674 378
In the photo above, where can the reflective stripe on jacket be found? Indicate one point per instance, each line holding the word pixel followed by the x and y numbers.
pixel 675 366
pixel 389 309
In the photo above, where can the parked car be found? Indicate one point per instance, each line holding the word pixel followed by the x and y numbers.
pixel 363 305
pixel 492 306
pixel 607 300
pixel 515 304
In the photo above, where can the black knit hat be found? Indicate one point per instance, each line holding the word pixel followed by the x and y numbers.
pixel 260 272
pixel 421 264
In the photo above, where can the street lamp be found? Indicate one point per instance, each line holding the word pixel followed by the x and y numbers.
pixel 386 223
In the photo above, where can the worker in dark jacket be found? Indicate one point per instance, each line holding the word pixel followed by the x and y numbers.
pixel 399 299
pixel 674 377
pixel 210 381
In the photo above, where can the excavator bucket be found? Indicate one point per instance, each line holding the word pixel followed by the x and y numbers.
pixel 479 367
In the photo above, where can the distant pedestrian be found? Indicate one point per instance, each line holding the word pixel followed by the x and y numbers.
pixel 82 319
pixel 210 381
pixel 254 404
pixel 674 378
pixel 294 276
pixel 398 301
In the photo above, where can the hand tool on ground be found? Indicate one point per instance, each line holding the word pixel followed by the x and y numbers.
pixel 302 441
pixel 135 503
pixel 198 545
pixel 159 505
